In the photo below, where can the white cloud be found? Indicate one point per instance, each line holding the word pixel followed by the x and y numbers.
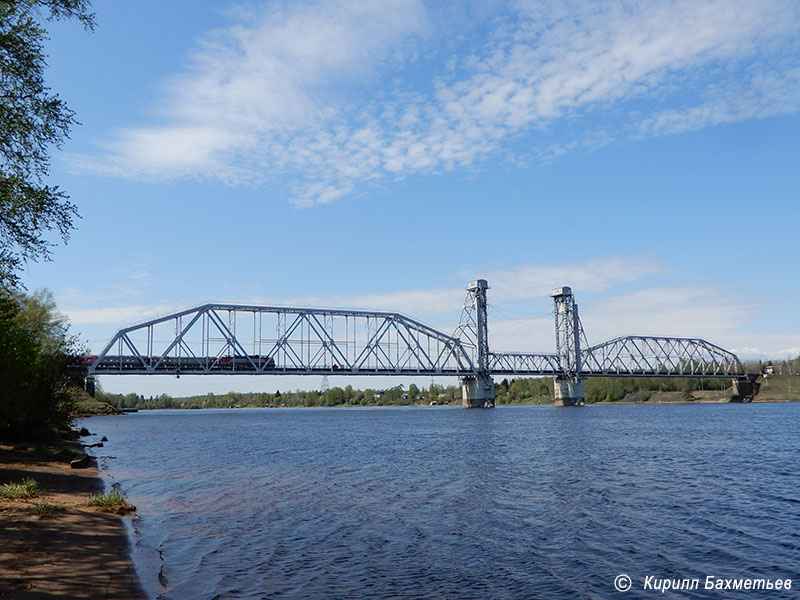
pixel 334 95
pixel 535 335
pixel 528 281
pixel 118 316
pixel 524 282
pixel 766 346
pixel 761 95
pixel 251 88
pixel 687 311
pixel 413 303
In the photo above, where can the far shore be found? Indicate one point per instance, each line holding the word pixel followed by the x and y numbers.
pixel 68 550
pixel 454 405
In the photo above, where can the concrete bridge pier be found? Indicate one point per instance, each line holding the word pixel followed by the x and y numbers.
pixel 88 385
pixel 477 392
pixel 569 392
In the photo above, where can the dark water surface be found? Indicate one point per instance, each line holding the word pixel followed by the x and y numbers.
pixel 439 502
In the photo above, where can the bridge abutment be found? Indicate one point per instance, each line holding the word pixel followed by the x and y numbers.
pixel 744 389
pixel 477 392
pixel 569 392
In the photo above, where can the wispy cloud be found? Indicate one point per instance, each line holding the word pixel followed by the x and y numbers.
pixel 514 285
pixel 529 281
pixel 251 88
pixel 118 316
pixel 765 346
pixel 339 94
pixel 685 311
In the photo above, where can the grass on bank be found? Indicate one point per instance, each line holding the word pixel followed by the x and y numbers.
pixel 112 501
pixel 22 490
pixel 780 387
pixel 43 509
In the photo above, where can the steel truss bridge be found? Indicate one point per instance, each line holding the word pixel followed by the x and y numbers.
pixel 238 339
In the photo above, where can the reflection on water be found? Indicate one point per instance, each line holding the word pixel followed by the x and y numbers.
pixel 439 502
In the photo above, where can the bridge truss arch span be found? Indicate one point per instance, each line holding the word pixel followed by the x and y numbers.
pixel 235 339
pixel 651 356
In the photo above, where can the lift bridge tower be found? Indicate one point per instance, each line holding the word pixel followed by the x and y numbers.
pixel 569 386
pixel 477 391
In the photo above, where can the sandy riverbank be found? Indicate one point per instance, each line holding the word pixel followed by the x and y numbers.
pixel 75 553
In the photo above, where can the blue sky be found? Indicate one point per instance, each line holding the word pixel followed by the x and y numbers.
pixel 381 155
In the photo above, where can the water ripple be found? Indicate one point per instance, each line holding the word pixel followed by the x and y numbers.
pixel 519 502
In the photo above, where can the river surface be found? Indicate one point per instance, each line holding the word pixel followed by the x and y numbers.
pixel 447 503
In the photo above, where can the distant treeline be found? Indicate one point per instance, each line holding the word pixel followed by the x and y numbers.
pixel 514 391
pixel 778 367
pixel 335 396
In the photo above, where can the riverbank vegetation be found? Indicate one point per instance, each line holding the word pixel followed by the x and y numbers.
pixel 112 501
pixel 37 367
pixel 21 490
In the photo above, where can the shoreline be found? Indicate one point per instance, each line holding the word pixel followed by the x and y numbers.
pixel 457 405
pixel 73 551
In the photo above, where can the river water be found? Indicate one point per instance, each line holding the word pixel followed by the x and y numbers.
pixel 441 502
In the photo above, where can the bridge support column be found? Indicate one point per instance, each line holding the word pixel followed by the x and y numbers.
pixel 477 392
pixel 569 392
pixel 88 385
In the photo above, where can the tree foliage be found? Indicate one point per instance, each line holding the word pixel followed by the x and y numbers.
pixel 335 396
pixel 32 121
pixel 37 358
